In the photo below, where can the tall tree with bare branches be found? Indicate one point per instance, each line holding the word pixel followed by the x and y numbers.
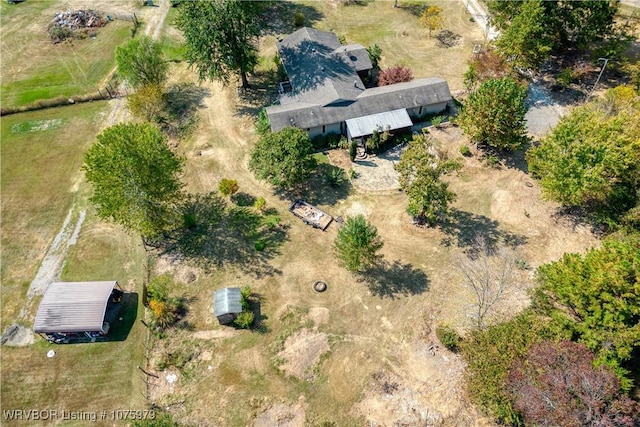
pixel 490 273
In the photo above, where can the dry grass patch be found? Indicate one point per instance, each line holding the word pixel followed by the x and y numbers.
pixel 40 180
pixel 301 353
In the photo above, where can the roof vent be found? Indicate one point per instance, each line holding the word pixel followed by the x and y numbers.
pixel 355 83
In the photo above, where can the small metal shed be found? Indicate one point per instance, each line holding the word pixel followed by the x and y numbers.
pixel 227 305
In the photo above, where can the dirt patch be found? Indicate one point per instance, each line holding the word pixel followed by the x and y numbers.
pixel 282 415
pixel 170 264
pixel 302 352
pixel 424 388
pixel 166 383
pixel 18 336
pixel 51 265
pixel 319 316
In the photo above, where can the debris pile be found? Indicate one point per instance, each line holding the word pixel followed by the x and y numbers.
pixel 74 23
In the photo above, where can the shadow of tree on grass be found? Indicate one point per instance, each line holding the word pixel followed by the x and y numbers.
pixel 181 102
pixel 392 279
pixel 216 234
pixel 464 229
pixel 328 185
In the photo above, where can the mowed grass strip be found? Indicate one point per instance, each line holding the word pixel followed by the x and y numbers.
pixel 41 156
pixel 33 68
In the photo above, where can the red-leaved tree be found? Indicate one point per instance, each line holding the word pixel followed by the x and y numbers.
pixel 396 74
pixel 557 385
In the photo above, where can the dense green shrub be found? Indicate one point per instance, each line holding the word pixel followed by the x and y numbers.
pixel 228 187
pixel 353 149
pixel 448 337
pixel 298 19
pixel 244 320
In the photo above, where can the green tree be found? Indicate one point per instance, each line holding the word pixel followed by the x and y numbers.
pixel 432 18
pixel 420 171
pixel 592 157
pixel 135 178
pixel 220 37
pixel 141 62
pixel 148 103
pixel 595 298
pixel 524 43
pixel 283 158
pixel 566 24
pixel 357 244
pixel 375 54
pixel 494 114
pixel 489 354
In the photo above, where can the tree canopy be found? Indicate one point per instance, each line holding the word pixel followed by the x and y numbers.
pixel 494 114
pixel 357 244
pixel 420 171
pixel 524 43
pixel 596 297
pixel 135 178
pixel 557 384
pixel 141 62
pixel 592 157
pixel 220 37
pixel 283 158
pixel 565 24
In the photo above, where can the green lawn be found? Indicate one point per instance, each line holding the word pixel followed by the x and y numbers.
pixel 33 68
pixel 42 153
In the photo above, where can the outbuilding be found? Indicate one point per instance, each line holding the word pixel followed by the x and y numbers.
pixel 227 304
pixel 72 311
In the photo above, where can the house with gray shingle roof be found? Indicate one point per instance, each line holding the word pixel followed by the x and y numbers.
pixel 326 94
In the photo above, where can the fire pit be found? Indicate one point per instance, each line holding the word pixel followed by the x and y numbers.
pixel 319 286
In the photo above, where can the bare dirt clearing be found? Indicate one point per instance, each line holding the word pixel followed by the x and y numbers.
pixel 302 351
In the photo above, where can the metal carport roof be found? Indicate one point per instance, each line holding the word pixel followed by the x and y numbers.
pixel 365 125
pixel 73 307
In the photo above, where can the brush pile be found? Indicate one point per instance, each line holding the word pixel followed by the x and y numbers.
pixel 74 23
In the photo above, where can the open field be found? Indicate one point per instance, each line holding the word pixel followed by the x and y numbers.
pixel 33 68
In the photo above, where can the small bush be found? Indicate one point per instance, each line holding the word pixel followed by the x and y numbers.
pixel 352 173
pixel 492 161
pixel 244 320
pixel 260 204
pixel 259 245
pixel 522 264
pixel 448 337
pixel 262 122
pixel 245 298
pixel 228 187
pixel 343 143
pixel 298 19
pixel 334 177
pixel 465 150
pixel 353 149
pixel 393 75
pixel 472 19
pixel 437 121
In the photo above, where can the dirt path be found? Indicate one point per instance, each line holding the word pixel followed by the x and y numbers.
pixel 481 18
pixel 51 266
